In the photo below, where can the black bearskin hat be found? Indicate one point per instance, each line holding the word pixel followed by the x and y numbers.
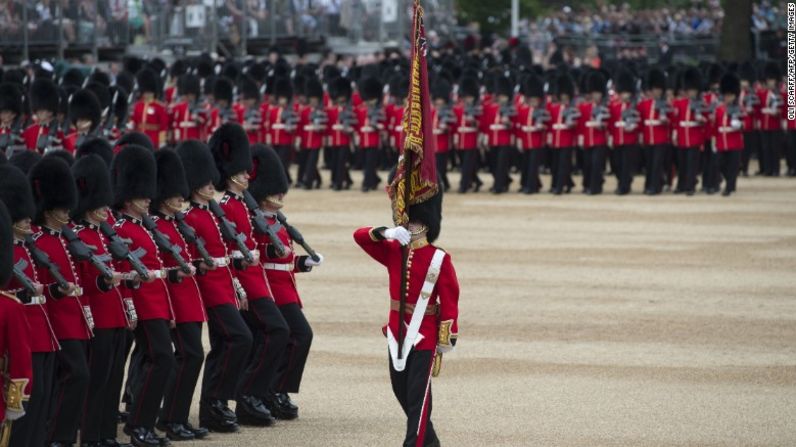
pixel 341 87
pixel 126 80
pixel 249 89
pixel 370 88
pixel 24 160
pixel 197 160
pixel 267 177
pixel 93 182
pixel 772 71
pixel 596 82
pixel 171 177
pixel 6 247
pixel 134 138
pixel 223 90
pixel 399 86
pixel 103 95
pixel 504 87
pixel 730 83
pixel 314 88
pixel 430 214
pixel 101 77
pixel 52 185
pixel 282 88
pixel 468 86
pixel 625 82
pixel 11 98
pixel 132 64
pixel 189 84
pixel 230 148
pixel 73 77
pixel 84 105
pixel 299 85
pixel 692 79
pixel 441 90
pixel 96 146
pixel 133 175
pixel 533 87
pixel 656 78
pixel 747 72
pixel 63 155
pixel 565 85
pixel 15 193
pixel 148 81
pixel 714 73
pixel 44 96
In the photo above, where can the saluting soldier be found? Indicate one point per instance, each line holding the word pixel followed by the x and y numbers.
pixel 46 133
pixel 431 311
pixel 150 116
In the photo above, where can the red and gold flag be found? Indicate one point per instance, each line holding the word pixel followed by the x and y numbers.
pixel 415 178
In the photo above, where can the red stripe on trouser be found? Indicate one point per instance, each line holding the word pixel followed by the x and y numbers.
pixel 227 353
pixel 421 426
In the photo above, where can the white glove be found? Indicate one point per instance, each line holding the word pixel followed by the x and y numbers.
pixel 313 263
pixel 444 349
pixel 737 124
pixel 399 234
pixel 13 415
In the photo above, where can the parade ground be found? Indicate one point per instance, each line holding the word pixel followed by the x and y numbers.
pixel 584 321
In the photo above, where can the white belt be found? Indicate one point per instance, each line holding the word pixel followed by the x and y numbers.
pixel 464 129
pixel 279 267
pixel 498 127
pixel 690 123
pixel 237 254
pixel 653 122
pixel 221 262
pixel 560 126
pixel 78 292
pixel 158 274
pixel 37 300
pixel 729 129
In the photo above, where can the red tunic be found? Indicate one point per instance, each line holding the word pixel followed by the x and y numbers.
pixel 446 290
pixel 768 99
pixel 186 301
pixel 185 125
pixel 369 133
pixel 251 278
pixel 654 129
pixel 337 135
pixel 282 134
pixel 14 348
pixel 442 133
pixel 621 136
pixel 395 115
pixel 589 135
pixel 66 313
pixel 152 300
pixel 690 130
pixel 466 129
pixel 215 285
pixel 727 137
pixel 494 125
pixel 253 125
pixel 152 119
pixel 561 135
pixel 42 336
pixel 35 131
pixel 311 134
pixel 530 135
pixel 282 280
pixel 107 305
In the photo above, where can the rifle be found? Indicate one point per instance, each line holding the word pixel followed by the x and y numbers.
pixel 318 117
pixel 19 274
pixel 662 107
pixel 83 252
pixel 261 224
pixel 296 236
pixel 120 251
pixel 191 237
pixel 12 142
pixel 346 119
pixel 163 243
pixel 43 144
pixel 42 260
pixel 229 232
pixel 540 115
pixel 571 114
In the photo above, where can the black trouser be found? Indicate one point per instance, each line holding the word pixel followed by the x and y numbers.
pixel 270 334
pixel 189 355
pixel 654 156
pixel 134 368
pixel 751 146
pixel 71 384
pixel 687 161
pixel 154 341
pixel 339 165
pixel 501 162
pixel 371 164
pixel 628 161
pixel 790 150
pixel 284 156
pixel 31 430
pixel 106 371
pixel 730 162
pixel 593 169
pixel 230 343
pixel 563 168
pixel 710 167
pixel 669 164
pixel 298 348
pixel 530 170
pixel 301 161
pixel 469 169
pixel 412 388
pixel 311 175
pixel 442 168
pixel 770 141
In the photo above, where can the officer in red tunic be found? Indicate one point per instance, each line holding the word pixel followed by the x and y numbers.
pixel 563 122
pixel 690 131
pixel 728 127
pixel 149 115
pixel 443 120
pixel 247 110
pixel 117 117
pixel 230 338
pixel 187 117
pixel 394 113
pixel 113 314
pixel 283 120
pixel 465 137
pixel 186 301
pixel 15 193
pixel 432 310
pixel 592 132
pixel 497 127
pixel 654 113
pixel 623 129
pixel 313 120
pixel 46 133
pixel 370 124
pixel 12 120
pixel 86 115
pixel 770 120
pixel 134 180
pixel 531 127
pixel 268 186
pixel 340 128
pixel 55 194
pixel 232 155
pixel 750 102
pixel 16 371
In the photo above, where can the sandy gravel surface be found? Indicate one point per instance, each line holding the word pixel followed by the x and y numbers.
pixel 585 321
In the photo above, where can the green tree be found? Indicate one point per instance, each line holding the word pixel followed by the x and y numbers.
pixel 736 43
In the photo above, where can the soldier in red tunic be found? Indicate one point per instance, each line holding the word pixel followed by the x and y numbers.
pixel 312 132
pixel 340 128
pixel 86 115
pixel 282 119
pixel 592 132
pixel 230 338
pixel 247 110
pixel 431 311
pixel 531 126
pixel 54 192
pixel 623 130
pixel 186 301
pixel 443 119
pixel 134 180
pixel 654 112
pixel 770 120
pixel 233 158
pixel 12 120
pixel 15 193
pixel 497 128
pixel 187 117
pixel 46 134
pixel 16 371
pixel 465 138
pixel 149 115
pixel 563 121
pixel 690 131
pixel 268 186
pixel 113 314
pixel 370 124
pixel 728 130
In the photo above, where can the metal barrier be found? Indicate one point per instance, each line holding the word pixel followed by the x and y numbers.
pixel 686 48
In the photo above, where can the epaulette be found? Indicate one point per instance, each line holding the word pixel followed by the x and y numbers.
pixel 119 222
pixel 78 228
pixel 10 296
pixel 35 236
pixel 225 199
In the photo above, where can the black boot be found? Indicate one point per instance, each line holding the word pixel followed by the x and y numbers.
pixel 144 437
pixel 175 431
pixel 280 407
pixel 216 416
pixel 251 411
pixel 198 432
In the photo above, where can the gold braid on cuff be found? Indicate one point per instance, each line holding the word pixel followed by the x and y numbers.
pixel 444 337
pixel 15 394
